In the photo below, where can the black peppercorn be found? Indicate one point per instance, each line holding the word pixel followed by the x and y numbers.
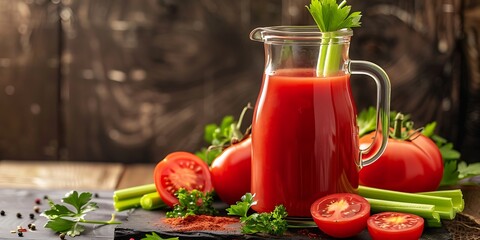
pixel 20 234
pixel 62 236
pixel 32 216
pixel 36 209
pixel 96 195
pixel 19 215
pixel 2 213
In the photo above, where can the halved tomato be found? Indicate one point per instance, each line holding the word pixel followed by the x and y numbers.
pixel 341 215
pixel 181 170
pixel 395 226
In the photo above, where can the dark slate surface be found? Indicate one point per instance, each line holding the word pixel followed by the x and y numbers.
pixel 14 201
pixel 141 222
pixel 135 223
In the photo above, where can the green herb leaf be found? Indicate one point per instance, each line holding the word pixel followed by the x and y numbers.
pixel 429 129
pixel 331 16
pixel 468 170
pixel 450 173
pixel 241 207
pixel 154 236
pixel 62 219
pixel 271 223
pixel 221 136
pixel 194 202
pixel 366 121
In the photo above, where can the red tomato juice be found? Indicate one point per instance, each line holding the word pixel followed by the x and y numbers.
pixel 305 140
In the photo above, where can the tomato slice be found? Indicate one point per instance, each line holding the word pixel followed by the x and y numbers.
pixel 341 215
pixel 181 170
pixel 395 226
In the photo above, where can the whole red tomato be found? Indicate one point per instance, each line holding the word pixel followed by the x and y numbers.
pixel 414 165
pixel 231 171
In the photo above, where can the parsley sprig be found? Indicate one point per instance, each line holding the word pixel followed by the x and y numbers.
pixel 68 219
pixel 193 202
pixel 271 223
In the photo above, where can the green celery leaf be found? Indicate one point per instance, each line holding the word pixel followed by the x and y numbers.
pixel 429 129
pixel 208 134
pixel 60 225
pixel 76 230
pixel 57 210
pixel 331 16
pixel 450 173
pixel 241 207
pixel 76 200
pixel 470 170
pixel 154 236
pixel 366 121
pixel 448 153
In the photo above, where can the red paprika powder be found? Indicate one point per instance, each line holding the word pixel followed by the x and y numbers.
pixel 201 223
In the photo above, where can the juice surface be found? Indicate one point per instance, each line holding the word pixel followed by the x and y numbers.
pixel 305 140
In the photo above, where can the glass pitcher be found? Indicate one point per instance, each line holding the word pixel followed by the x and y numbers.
pixel 304 129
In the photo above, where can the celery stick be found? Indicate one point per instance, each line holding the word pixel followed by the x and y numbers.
pixel 126 204
pixel 423 210
pixel 430 222
pixel 333 57
pixel 152 201
pixel 133 192
pixel 443 205
pixel 456 196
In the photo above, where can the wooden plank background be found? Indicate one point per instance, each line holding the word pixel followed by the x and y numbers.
pixel 130 81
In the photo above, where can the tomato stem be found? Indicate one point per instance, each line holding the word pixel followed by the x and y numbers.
pixel 397 128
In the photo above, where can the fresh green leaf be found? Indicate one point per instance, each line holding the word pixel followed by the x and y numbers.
pixel 60 225
pixel 429 129
pixel 154 236
pixel 241 207
pixel 450 173
pixel 62 219
pixel 208 155
pixel 76 200
pixel 468 170
pixel 221 136
pixel 331 16
pixel 366 121
pixel 190 203
pixel 448 153
pixel 271 223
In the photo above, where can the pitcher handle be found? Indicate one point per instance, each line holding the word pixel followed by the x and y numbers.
pixel 383 105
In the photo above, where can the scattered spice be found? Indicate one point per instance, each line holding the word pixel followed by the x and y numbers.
pixel 36 209
pixel 38 201
pixel 19 215
pixel 20 234
pixel 62 236
pixel 21 229
pixel 2 213
pixel 200 222
pixel 96 195
pixel 306 232
pixel 13 231
pixel 45 197
pixel 32 216
pixel 32 226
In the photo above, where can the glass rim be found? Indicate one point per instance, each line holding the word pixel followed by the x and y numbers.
pixel 299 33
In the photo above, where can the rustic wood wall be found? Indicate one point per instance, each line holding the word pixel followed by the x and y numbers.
pixel 130 81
